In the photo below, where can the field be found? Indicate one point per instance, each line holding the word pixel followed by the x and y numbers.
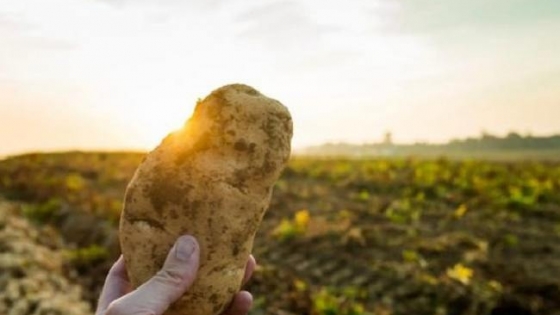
pixel 341 237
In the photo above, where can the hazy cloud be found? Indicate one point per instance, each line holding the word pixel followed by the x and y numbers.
pixel 13 23
pixel 327 37
pixel 21 34
pixel 193 4
pixel 429 15
pixel 281 25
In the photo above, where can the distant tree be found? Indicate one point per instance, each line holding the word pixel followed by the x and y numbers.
pixel 486 135
pixel 513 135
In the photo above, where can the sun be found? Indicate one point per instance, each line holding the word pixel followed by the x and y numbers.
pixel 150 124
pixel 158 126
pixel 146 113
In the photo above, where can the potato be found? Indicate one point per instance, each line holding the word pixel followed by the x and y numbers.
pixel 212 179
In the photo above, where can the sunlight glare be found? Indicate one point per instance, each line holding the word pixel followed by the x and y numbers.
pixel 151 116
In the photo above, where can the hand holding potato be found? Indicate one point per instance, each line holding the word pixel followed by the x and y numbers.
pixel 154 296
pixel 212 179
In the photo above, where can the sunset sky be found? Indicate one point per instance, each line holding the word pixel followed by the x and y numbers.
pixel 111 74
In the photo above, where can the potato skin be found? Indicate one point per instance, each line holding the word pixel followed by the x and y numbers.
pixel 212 179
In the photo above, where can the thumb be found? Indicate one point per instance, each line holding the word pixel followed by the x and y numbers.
pixel 176 276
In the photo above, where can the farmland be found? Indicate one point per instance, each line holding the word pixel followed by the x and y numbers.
pixel 341 237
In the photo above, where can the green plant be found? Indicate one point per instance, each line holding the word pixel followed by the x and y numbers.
pixel 344 301
pixel 288 229
pixel 44 212
pixel 403 212
pixel 87 255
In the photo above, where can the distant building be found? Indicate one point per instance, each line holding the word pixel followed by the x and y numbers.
pixel 388 139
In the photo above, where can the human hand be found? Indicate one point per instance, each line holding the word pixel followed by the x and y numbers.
pixel 156 295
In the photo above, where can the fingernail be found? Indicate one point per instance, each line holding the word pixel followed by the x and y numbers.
pixel 185 247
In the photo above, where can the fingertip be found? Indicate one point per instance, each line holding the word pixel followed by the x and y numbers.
pixel 185 247
pixel 245 296
pixel 182 262
pixel 188 238
pixel 249 269
pixel 252 260
pixel 241 304
pixel 118 269
pixel 119 262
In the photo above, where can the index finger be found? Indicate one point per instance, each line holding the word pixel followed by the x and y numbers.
pixel 116 285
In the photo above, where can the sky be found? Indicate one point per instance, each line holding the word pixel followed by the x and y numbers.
pixel 121 74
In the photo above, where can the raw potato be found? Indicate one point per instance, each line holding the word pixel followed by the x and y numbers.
pixel 212 179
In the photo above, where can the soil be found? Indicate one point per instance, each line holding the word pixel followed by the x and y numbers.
pixel 340 237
